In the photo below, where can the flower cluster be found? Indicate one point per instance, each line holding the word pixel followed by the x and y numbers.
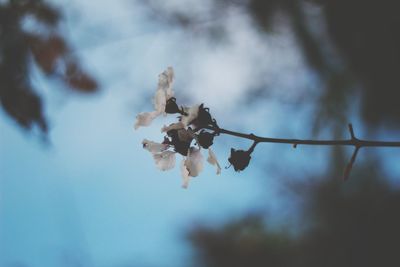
pixel 194 131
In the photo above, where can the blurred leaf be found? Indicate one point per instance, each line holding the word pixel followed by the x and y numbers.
pixel 17 97
pixel 47 51
pixel 79 80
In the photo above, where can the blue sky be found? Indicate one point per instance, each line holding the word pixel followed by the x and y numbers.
pixel 93 196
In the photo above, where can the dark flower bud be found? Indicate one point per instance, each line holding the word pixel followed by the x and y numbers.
pixel 239 159
pixel 204 118
pixel 205 139
pixel 171 107
pixel 182 148
pixel 180 140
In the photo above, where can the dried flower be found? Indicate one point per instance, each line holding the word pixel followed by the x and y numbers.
pixel 179 135
pixel 164 160
pixel 163 93
pixel 205 139
pixel 212 159
pixel 171 107
pixel 203 118
pixel 154 147
pixel 239 159
pixel 190 115
pixel 180 140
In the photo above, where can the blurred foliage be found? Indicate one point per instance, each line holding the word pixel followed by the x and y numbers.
pixel 354 50
pixel 43 47
pixel 353 47
pixel 365 35
pixel 352 225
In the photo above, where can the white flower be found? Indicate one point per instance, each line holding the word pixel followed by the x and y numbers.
pixel 163 93
pixel 165 160
pixel 154 147
pixel 212 159
pixel 185 174
pixel 192 114
pixel 145 118
pixel 160 101
pixel 194 162
pixel 179 140
pixel 166 82
pixel 173 126
pixel 191 165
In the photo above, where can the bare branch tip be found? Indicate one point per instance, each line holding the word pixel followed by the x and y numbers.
pixel 351 130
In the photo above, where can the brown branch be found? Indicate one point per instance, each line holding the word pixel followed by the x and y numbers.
pixel 353 141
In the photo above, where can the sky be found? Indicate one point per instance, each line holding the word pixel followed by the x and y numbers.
pixel 92 196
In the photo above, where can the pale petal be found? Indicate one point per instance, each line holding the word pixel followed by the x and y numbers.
pixel 173 126
pixel 192 114
pixel 185 174
pixel 154 147
pixel 165 160
pixel 165 82
pixel 194 162
pixel 171 76
pixel 159 101
pixel 212 159
pixel 145 119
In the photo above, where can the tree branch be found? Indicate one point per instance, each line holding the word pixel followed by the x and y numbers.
pixel 353 141
pixel 345 142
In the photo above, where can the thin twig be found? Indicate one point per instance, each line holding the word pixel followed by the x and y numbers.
pixel 353 141
pixel 345 142
pixel 349 166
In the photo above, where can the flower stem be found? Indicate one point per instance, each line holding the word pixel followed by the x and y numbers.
pixel 346 142
pixel 352 141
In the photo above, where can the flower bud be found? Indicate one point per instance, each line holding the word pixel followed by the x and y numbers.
pixel 181 140
pixel 204 118
pixel 239 159
pixel 205 139
pixel 171 107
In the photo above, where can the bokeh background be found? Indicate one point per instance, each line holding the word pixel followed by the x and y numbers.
pixel 77 189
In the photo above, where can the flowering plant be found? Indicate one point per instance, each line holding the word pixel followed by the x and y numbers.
pixel 196 129
pixel 193 126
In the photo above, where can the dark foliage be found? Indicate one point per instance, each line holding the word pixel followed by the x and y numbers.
pixel 366 35
pixel 48 50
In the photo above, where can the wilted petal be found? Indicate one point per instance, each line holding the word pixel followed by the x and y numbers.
pixel 165 160
pixel 154 147
pixel 212 159
pixel 173 126
pixel 165 82
pixel 145 118
pixel 191 112
pixel 160 100
pixel 194 162
pixel 185 174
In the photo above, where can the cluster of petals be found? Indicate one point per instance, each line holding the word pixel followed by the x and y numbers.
pixel 163 93
pixel 179 135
